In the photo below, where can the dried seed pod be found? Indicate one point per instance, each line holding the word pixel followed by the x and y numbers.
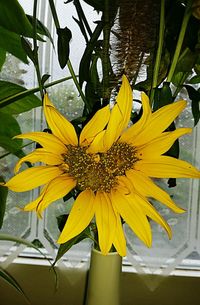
pixel 133 34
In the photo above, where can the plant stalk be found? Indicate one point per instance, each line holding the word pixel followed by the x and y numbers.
pixel 159 51
pixel 105 55
pixel 35 49
pixel 180 41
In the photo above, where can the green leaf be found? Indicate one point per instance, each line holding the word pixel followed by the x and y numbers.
pixel 177 78
pixel 40 28
pixel 45 77
pixel 9 126
pixel 11 146
pixel 195 79
pixel 26 45
pixel 194 95
pixel 13 18
pixel 2 57
pixel 64 37
pixel 96 4
pixel 3 197
pixel 11 42
pixel 84 67
pixel 163 96
pixel 66 246
pixel 186 62
pixel 9 102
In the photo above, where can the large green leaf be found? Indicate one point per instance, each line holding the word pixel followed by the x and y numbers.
pixel 9 126
pixel 11 146
pixel 8 104
pixel 14 19
pixel 3 197
pixel 11 42
pixel 2 57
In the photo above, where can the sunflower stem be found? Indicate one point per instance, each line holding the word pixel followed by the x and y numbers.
pixel 180 40
pixel 159 51
pixel 105 55
pixel 35 49
pixel 73 75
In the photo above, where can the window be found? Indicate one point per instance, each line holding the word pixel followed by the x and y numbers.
pixel 182 252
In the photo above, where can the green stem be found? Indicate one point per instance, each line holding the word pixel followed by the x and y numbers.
pixel 105 56
pixel 11 99
pixel 180 41
pixel 35 49
pixel 8 153
pixel 159 50
pixel 54 14
pixel 73 75
pixel 82 17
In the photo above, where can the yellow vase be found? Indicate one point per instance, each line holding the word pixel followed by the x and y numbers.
pixel 104 279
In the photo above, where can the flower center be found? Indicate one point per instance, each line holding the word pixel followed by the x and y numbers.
pixel 99 172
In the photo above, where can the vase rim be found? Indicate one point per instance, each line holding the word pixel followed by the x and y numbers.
pixel 109 254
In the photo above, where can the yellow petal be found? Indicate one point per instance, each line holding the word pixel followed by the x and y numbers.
pixel 132 215
pixel 80 216
pixel 129 134
pixel 32 178
pixel 139 200
pixel 147 188
pixel 58 124
pixel 56 189
pixel 105 220
pixel 97 144
pixel 39 155
pixel 161 144
pixel 167 167
pixel 120 114
pixel 119 240
pixel 151 212
pixel 158 122
pixel 48 141
pixel 94 126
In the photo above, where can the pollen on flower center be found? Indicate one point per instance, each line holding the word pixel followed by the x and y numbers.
pixel 99 172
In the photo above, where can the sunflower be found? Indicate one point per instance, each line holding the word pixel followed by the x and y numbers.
pixel 111 166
